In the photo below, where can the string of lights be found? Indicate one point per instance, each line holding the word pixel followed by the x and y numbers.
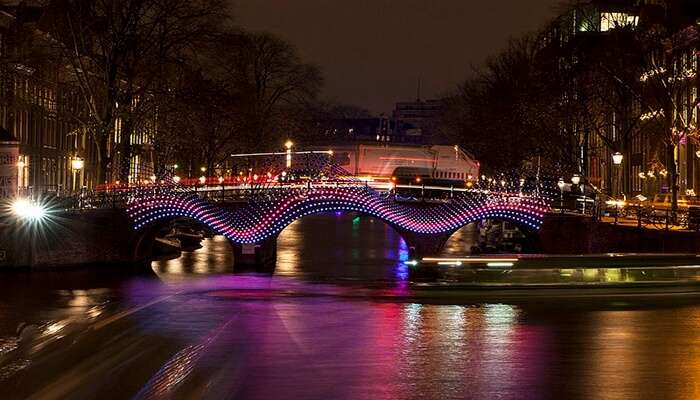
pixel 266 215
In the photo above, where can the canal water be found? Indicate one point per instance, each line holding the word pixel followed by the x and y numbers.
pixel 337 320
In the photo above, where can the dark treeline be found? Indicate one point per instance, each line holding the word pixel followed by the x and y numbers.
pixel 176 75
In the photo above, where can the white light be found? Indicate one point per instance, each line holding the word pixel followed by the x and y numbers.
pixel 561 184
pixel 576 179
pixel 452 263
pixel 617 158
pixel 202 179
pixel 471 260
pixel 203 169
pixel 153 178
pixel 77 163
pixel 176 179
pixel 28 210
pixel 288 144
pixel 221 179
pixel 499 264
pixel 21 164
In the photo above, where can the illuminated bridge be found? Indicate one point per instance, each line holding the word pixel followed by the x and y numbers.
pixel 262 211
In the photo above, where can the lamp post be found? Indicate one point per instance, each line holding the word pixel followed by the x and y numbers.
pixel 561 185
pixel 288 145
pixel 77 164
pixel 575 180
pixel 617 161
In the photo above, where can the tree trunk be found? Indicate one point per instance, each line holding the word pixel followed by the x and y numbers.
pixel 672 178
pixel 125 159
pixel 102 159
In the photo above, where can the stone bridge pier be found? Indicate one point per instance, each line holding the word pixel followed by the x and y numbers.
pixel 423 244
pixel 258 257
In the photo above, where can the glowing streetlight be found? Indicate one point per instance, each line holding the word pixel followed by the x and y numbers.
pixel 27 210
pixel 288 145
pixel 576 179
pixel 203 169
pixel 561 184
pixel 77 164
pixel 617 158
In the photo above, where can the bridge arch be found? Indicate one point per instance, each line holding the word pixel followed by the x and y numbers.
pixel 528 239
pixel 256 221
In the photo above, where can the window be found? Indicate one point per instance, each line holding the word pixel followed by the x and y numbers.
pixel 612 20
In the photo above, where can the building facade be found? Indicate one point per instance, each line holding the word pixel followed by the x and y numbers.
pixel 415 121
pixel 632 121
pixel 57 153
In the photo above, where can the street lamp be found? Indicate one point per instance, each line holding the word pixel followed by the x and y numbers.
pixel 77 164
pixel 288 145
pixel 561 185
pixel 617 160
pixel 576 179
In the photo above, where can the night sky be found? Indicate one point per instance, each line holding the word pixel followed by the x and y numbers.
pixel 372 52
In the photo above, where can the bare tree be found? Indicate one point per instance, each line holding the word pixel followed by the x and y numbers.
pixel 273 85
pixel 114 50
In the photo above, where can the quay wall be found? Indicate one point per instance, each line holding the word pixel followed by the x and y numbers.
pixel 85 238
pixel 564 234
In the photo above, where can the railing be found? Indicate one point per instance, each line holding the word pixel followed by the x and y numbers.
pixel 654 218
pixel 118 197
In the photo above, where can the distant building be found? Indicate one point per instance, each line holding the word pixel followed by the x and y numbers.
pixel 415 121
pixel 367 129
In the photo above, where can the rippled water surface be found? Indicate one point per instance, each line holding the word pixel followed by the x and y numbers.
pixel 335 321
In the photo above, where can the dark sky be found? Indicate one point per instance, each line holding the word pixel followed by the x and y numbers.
pixel 372 52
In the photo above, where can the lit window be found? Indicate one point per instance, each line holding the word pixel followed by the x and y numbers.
pixel 612 20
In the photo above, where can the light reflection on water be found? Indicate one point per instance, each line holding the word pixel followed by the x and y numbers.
pixel 196 331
